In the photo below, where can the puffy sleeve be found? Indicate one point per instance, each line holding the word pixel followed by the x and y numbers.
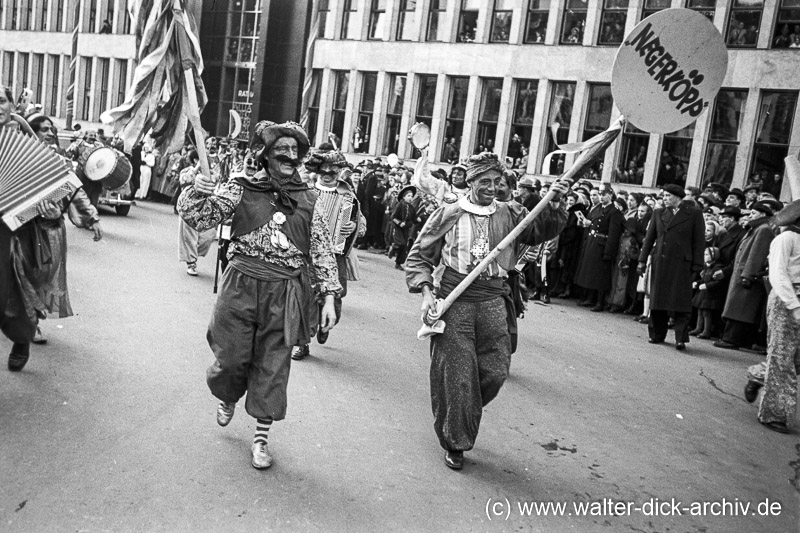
pixel 324 272
pixel 426 253
pixel 781 250
pixel 203 212
pixel 81 212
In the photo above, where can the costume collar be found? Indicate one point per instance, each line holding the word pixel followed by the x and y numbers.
pixel 480 210
pixel 322 187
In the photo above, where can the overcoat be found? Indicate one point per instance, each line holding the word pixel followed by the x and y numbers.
pixel 600 247
pixel 677 242
pixel 747 305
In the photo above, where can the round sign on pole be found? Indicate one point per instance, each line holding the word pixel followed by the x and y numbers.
pixel 668 70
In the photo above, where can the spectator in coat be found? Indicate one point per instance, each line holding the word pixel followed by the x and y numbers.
pixel 600 249
pixel 676 237
pixel 744 304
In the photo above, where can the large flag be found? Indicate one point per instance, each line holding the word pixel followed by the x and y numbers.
pixel 308 81
pixel 168 67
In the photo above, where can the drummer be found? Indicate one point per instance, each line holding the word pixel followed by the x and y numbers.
pixel 79 149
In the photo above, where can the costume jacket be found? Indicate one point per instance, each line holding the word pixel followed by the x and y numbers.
pixel 677 242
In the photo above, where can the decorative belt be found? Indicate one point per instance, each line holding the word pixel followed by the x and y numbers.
pixel 593 233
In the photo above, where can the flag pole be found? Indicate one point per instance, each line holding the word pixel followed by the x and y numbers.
pixel 73 64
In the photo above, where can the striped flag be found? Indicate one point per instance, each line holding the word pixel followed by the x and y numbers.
pixel 168 63
pixel 73 64
pixel 308 81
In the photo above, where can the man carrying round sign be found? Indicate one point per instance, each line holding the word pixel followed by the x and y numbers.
pixel 471 358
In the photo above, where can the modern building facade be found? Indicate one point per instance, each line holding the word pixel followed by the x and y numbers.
pixel 505 75
pixel 36 48
pixel 253 52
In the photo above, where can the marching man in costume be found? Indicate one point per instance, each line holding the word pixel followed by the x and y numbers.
pixel 279 246
pixel 343 215
pixel 470 359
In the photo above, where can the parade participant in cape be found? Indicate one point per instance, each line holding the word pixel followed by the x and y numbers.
pixel 404 217
pixel 676 238
pixel 606 223
pixel 331 170
pixel 779 401
pixel 746 297
pixel 193 244
pixel 33 275
pixel 279 246
pixel 470 359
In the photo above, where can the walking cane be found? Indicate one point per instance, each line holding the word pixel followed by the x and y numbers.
pixel 432 323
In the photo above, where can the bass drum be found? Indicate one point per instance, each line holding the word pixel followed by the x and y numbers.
pixel 105 165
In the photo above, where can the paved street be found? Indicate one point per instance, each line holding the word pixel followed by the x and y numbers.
pixel 111 427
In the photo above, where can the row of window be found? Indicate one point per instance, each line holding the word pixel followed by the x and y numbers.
pixel 743 25
pixel 771 142
pixel 47 76
pixel 59 15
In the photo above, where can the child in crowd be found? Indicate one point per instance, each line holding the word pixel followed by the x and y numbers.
pixel 710 296
pixel 404 217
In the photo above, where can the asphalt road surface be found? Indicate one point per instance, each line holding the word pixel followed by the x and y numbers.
pixel 111 427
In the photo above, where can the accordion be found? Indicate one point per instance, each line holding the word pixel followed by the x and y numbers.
pixel 338 210
pixel 30 173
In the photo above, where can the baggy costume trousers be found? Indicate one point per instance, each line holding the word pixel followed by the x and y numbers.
pixel 779 401
pixel 247 337
pixel 469 364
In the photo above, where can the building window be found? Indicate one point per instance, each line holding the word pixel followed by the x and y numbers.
pixel 103 66
pixel 633 155
pixel 37 77
pixel 377 20
pixel 23 69
pixel 454 125
pixel 675 153
pixel 771 147
pixel 53 75
pixel 426 96
pixel 489 113
pixel 126 20
pixel 536 23
pixel 27 14
pixel 41 21
pixel 744 22
pixel 8 69
pixel 86 66
pixel 598 118
pixel 612 22
pixel 436 31
pixel 350 27
pixel 122 80
pixel 340 86
pixel 14 19
pixel 406 20
pixel 322 17
pixel 91 19
pixel 654 6
pixel 501 21
pixel 561 103
pixel 574 22
pixel 723 141
pixel 362 132
pixel 787 28
pixel 522 122
pixel 313 105
pixel 59 16
pixel 704 7
pixel 468 20
pixel 394 113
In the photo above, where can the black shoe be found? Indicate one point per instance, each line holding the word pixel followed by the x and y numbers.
pixel 671 323
pixel 703 336
pixel 615 309
pixel 680 346
pixel 724 344
pixel 546 299
pixel 454 459
pixel 536 296
pixel 655 341
pixel 780 427
pixel 17 360
pixel 300 352
pixel 322 336
pixel 751 391
pixel 598 308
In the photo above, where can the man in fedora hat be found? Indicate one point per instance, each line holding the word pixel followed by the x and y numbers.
pixel 471 358
pixel 746 293
pixel 779 402
pixel 676 237
pixel 735 198
pixel 279 243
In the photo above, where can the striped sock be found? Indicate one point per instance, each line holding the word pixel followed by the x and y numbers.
pixel 262 430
